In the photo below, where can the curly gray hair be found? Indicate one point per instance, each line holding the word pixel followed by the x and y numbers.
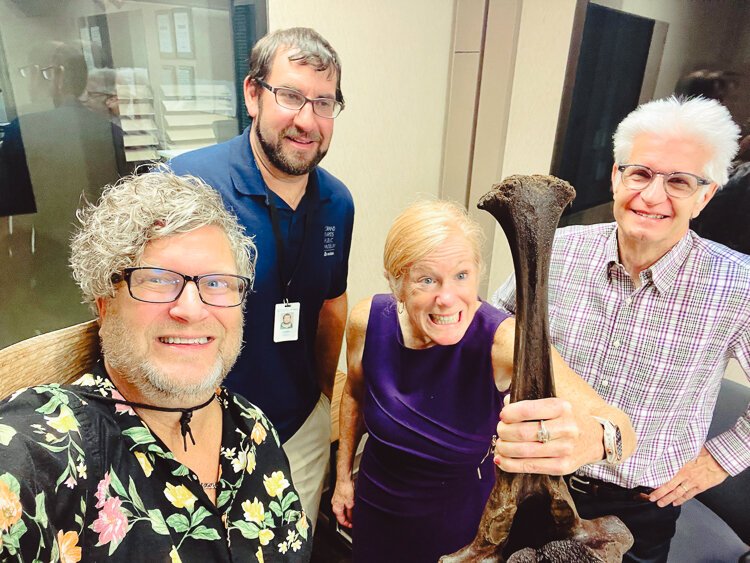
pixel 138 209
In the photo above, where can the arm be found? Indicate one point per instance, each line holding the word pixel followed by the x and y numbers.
pixel 331 321
pixel 576 438
pixel 721 456
pixel 38 505
pixel 504 297
pixel 351 424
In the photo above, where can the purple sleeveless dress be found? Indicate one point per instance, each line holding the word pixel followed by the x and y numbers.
pixel 430 415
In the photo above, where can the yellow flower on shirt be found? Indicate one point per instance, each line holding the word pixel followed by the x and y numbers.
pixel 180 496
pixel 174 557
pixel 259 555
pixel 253 511
pixel 265 536
pixel 63 422
pixel 275 484
pixel 144 463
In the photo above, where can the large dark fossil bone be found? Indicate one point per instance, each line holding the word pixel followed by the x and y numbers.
pixel 530 518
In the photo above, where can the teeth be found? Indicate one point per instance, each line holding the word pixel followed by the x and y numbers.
pixel 173 340
pixel 650 216
pixel 445 319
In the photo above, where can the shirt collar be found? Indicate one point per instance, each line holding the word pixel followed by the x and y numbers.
pixel 663 272
pixel 136 434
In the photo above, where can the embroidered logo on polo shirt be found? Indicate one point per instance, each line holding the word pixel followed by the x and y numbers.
pixel 329 247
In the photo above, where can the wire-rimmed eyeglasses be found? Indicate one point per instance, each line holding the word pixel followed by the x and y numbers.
pixel 157 285
pixel 290 98
pixel 676 184
pixel 48 72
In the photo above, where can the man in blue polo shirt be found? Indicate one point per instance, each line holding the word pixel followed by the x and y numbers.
pixel 301 217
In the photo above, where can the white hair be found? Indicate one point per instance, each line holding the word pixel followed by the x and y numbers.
pixel 705 121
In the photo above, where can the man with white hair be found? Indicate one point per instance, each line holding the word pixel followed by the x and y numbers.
pixel 649 314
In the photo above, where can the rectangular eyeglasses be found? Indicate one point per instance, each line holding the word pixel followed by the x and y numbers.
pixel 157 285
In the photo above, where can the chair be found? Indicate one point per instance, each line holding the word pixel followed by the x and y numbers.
pixel 60 356
pixel 714 527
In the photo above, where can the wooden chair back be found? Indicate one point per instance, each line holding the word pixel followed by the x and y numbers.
pixel 60 356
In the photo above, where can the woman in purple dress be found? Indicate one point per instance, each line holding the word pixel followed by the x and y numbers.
pixel 428 367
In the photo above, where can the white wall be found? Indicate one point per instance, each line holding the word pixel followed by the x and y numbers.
pixel 387 144
pixel 542 56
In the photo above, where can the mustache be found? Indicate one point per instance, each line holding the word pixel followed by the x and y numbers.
pixel 295 132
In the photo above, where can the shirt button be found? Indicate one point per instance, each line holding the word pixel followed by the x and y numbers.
pixel 628 301
pixel 605 382
pixel 616 344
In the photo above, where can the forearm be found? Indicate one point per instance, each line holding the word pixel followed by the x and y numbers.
pixel 351 429
pixel 331 322
pixel 731 449
pixel 588 404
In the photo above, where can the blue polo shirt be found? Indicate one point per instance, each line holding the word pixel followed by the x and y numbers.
pixel 279 377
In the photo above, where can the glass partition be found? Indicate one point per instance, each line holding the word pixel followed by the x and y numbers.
pixel 91 90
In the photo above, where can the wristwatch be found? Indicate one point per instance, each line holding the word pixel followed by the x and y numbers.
pixel 612 441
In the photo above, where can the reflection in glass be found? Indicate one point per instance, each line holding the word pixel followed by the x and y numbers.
pixel 123 83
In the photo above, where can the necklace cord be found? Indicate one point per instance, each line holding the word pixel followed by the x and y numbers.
pixel 185 418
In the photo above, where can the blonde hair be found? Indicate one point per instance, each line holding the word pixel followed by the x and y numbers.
pixel 139 209
pixel 419 230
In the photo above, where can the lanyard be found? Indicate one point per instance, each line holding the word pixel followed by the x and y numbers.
pixel 273 212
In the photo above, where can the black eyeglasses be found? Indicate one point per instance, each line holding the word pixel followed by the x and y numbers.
pixel 157 285
pixel 676 184
pixel 290 98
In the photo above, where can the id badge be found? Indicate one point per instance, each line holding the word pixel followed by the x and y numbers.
pixel 286 322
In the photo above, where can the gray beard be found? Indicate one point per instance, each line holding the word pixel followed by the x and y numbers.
pixel 151 382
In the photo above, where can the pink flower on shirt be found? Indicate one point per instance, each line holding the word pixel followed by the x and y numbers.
pixel 112 525
pixel 101 490
pixel 120 408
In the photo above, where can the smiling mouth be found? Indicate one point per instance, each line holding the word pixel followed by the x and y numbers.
pixel 445 319
pixel 175 340
pixel 649 215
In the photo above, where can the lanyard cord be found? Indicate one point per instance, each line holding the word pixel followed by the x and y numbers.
pixel 273 212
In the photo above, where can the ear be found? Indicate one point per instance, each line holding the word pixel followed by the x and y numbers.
pixel 101 307
pixel 615 172
pixel 252 94
pixel 704 199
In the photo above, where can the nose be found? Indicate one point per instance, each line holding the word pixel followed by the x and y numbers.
pixel 446 296
pixel 305 117
pixel 188 307
pixel 656 192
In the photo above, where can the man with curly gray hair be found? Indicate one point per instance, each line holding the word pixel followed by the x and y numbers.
pixel 302 217
pixel 146 456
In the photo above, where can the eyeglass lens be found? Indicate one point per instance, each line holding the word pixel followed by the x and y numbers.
pixel 154 285
pixel 678 184
pixel 291 99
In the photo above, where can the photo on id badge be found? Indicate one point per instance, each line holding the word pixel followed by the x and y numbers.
pixel 286 322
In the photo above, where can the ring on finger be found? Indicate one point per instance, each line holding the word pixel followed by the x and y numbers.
pixel 542 435
pixel 684 488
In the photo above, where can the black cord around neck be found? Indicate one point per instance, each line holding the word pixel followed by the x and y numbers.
pixel 187 413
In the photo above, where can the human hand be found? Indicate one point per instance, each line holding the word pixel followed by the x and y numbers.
pixel 342 501
pixel 573 439
pixel 696 476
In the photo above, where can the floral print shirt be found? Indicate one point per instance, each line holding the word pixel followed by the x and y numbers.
pixel 86 480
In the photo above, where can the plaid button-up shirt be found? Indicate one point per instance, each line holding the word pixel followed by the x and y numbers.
pixel 659 351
